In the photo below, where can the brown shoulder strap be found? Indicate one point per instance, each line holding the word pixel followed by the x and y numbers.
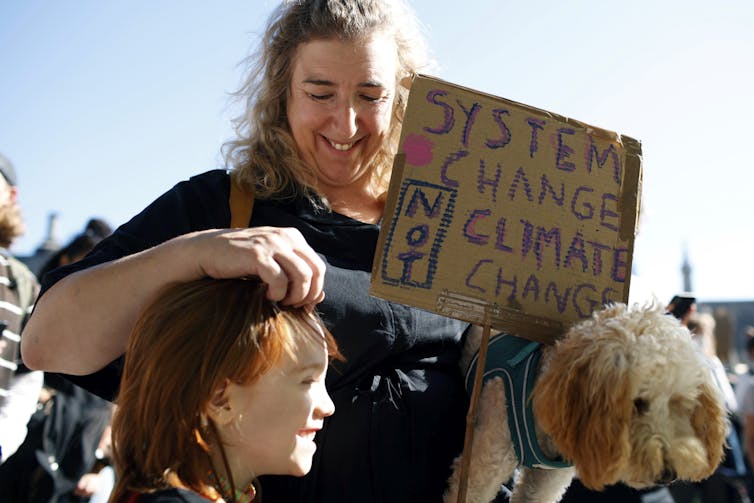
pixel 241 204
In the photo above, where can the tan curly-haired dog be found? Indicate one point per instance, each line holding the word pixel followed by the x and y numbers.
pixel 625 396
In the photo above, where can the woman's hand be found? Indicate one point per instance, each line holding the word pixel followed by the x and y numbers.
pixel 281 257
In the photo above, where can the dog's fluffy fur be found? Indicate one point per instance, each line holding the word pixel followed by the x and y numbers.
pixel 626 396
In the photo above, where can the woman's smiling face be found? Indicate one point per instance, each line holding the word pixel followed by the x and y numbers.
pixel 340 105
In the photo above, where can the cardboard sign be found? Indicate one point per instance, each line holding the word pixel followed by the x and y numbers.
pixel 503 214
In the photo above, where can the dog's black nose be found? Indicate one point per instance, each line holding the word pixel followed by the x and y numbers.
pixel 667 476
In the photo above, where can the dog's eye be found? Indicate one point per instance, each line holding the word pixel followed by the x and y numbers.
pixel 640 405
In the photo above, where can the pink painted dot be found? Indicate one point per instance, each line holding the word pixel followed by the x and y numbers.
pixel 418 150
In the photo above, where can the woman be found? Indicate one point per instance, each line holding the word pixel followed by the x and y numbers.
pixel 219 386
pixel 324 108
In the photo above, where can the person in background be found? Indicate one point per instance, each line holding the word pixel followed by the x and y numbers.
pixel 63 457
pixel 745 395
pixel 745 380
pixel 683 307
pixel 702 328
pixel 220 386
pixel 99 478
pixel 728 483
pixel 19 387
pixel 95 231
pixel 325 97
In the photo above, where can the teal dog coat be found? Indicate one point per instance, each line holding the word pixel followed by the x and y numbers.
pixel 515 360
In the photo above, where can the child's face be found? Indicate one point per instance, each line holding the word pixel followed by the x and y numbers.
pixel 277 416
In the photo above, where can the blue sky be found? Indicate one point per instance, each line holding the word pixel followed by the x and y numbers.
pixel 105 105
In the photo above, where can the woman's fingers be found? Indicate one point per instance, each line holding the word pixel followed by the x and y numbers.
pixel 305 273
pixel 281 257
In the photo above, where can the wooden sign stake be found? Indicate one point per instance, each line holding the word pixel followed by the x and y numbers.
pixel 472 415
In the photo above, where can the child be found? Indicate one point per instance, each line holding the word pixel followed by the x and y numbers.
pixel 219 386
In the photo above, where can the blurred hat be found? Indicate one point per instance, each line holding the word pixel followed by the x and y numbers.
pixel 6 169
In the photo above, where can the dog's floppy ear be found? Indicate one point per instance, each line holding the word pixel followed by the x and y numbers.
pixel 708 421
pixel 583 401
